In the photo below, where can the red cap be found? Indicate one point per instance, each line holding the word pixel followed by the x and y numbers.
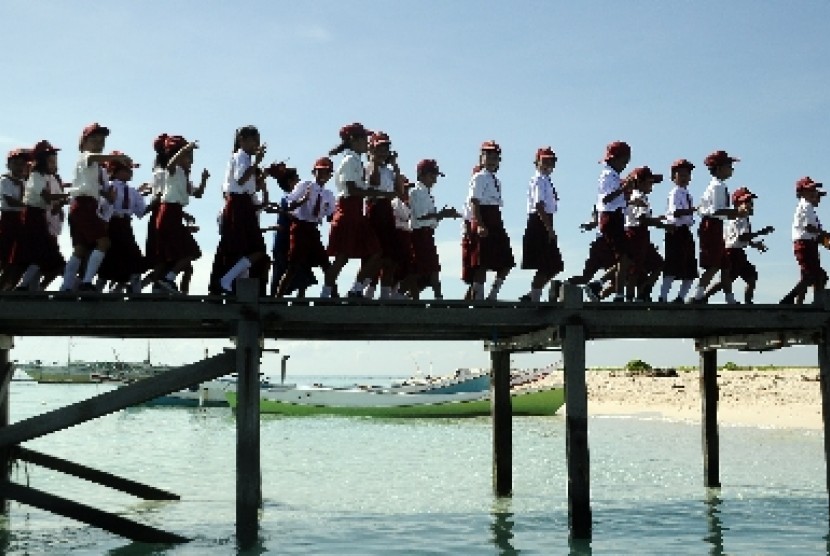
pixel 717 158
pixel 158 142
pixel 324 163
pixel 25 154
pixel 681 163
pixel 353 130
pixel 643 173
pixel 94 128
pixel 615 149
pixel 174 143
pixel 379 137
pixel 807 184
pixel 491 145
pixel 742 194
pixel 428 165
pixel 545 152
pixel 115 165
pixel 43 146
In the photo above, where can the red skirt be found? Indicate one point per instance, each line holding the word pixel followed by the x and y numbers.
pixel 351 235
pixel 382 220
pixel 404 256
pixel 174 241
pixel 123 258
pixel 469 245
pixel 644 256
pixel 150 244
pixel 493 251
pixel 35 244
pixel 612 228
pixel 85 226
pixel 306 247
pixel 539 252
pixel 680 254
pixel 424 251
pixel 712 247
pixel 241 235
pixel 11 224
pixel 806 253
pixel 739 266
pixel 600 256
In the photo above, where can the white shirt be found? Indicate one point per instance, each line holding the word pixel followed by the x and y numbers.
pixel 715 197
pixel 10 188
pixel 421 202
pixel 402 214
pixel 609 181
pixel 679 198
pixel 541 190
pixel 633 212
pixel 486 187
pixel 134 205
pixel 54 219
pixel 89 178
pixel 176 188
pixel 305 211
pixel 238 164
pixel 35 185
pixel 805 213
pixel 733 230
pixel 349 170
pixel 329 202
pixel 158 180
pixel 387 179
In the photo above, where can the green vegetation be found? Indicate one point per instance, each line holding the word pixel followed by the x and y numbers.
pixel 637 365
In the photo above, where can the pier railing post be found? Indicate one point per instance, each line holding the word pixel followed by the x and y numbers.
pixel 6 371
pixel 576 422
pixel 248 469
pixel 824 379
pixel 709 408
pixel 502 423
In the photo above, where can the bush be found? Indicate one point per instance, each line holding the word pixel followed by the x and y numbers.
pixel 730 366
pixel 637 365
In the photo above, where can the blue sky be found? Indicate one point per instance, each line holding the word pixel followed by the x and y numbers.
pixel 674 79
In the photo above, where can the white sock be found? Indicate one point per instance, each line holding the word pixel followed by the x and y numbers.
pixel 535 295
pixel 170 276
pixel 70 273
pixel 92 264
pixel 357 286
pixel 385 292
pixel 665 287
pixel 699 291
pixel 28 276
pixel 135 283
pixel 325 292
pixel 685 286
pixel 241 265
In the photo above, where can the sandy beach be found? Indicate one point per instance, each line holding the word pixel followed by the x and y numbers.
pixel 777 398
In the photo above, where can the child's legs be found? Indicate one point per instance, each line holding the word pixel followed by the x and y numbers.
pixel 330 278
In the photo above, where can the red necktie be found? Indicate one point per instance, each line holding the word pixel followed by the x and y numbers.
pixel 316 210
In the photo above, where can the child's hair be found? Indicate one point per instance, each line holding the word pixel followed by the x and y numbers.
pixel 347 134
pixel 162 158
pixel 243 133
pixel 284 175
pixel 40 162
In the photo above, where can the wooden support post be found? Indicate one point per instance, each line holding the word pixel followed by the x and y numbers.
pixel 502 423
pixel 248 472
pixel 824 378
pixel 709 406
pixel 6 372
pixel 576 422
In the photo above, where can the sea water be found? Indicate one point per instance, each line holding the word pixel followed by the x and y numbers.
pixel 368 487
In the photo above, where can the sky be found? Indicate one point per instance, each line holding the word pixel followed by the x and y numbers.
pixel 674 79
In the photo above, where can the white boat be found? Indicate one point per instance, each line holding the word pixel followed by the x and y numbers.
pixel 208 394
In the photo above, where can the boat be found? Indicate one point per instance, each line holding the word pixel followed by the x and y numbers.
pixel 315 400
pixel 207 394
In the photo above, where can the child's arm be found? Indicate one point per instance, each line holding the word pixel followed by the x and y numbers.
pixel 174 161
pixel 259 154
pixel 202 184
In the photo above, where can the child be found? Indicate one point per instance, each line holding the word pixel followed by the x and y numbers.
pixel 714 208
pixel 351 236
pixel 241 239
pixel 123 264
pixel 405 274
pixel 611 207
pixel 382 174
pixel 600 257
pixel 424 219
pixel 176 248
pixel 12 185
pixel 807 232
pixel 679 249
pixel 739 235
pixel 307 203
pixel 540 245
pixel 36 249
pixel 469 243
pixel 492 250
pixel 88 231
pixel 646 262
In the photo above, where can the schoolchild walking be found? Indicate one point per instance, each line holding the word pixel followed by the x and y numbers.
pixel 600 257
pixel 807 233
pixel 540 245
pixel 715 210
pixel 406 277
pixel 611 205
pixel 382 174
pixel 679 247
pixel 12 186
pixel 646 262
pixel 492 245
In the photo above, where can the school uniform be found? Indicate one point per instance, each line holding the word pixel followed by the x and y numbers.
pixel 491 252
pixel 10 216
pixel 35 245
pixel 735 250
pixel 350 234
pixel 611 213
pixel 710 232
pixel 644 256
pixel 424 251
pixel 679 248
pixel 123 259
pixel 379 212
pixel 173 240
pixel 805 244
pixel 240 234
pixel 469 243
pixel 539 251
pixel 85 224
pixel 157 189
pixel 404 258
pixel 306 246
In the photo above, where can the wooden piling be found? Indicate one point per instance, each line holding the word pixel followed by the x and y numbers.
pixel 502 423
pixel 6 372
pixel 824 378
pixel 709 407
pixel 576 422
pixel 248 469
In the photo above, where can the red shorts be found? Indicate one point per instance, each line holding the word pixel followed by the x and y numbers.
pixel 35 244
pixel 712 248
pixel 645 258
pixel 469 245
pixel 424 251
pixel 739 266
pixel 539 252
pixel 680 254
pixel 11 224
pixel 85 226
pixel 612 229
pixel 806 253
pixel 492 252
pixel 350 234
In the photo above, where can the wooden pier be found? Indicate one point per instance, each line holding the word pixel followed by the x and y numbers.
pixel 503 327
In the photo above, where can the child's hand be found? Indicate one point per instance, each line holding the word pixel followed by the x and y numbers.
pixel 259 154
pixel 205 175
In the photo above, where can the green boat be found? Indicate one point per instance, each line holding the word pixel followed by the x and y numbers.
pixel 305 401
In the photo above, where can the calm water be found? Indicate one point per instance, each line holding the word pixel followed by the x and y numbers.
pixel 376 487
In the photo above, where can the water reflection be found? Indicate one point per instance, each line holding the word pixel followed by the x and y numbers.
pixel 714 523
pixel 502 527
pixel 579 547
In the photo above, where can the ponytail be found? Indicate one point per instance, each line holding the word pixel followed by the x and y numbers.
pixel 339 148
